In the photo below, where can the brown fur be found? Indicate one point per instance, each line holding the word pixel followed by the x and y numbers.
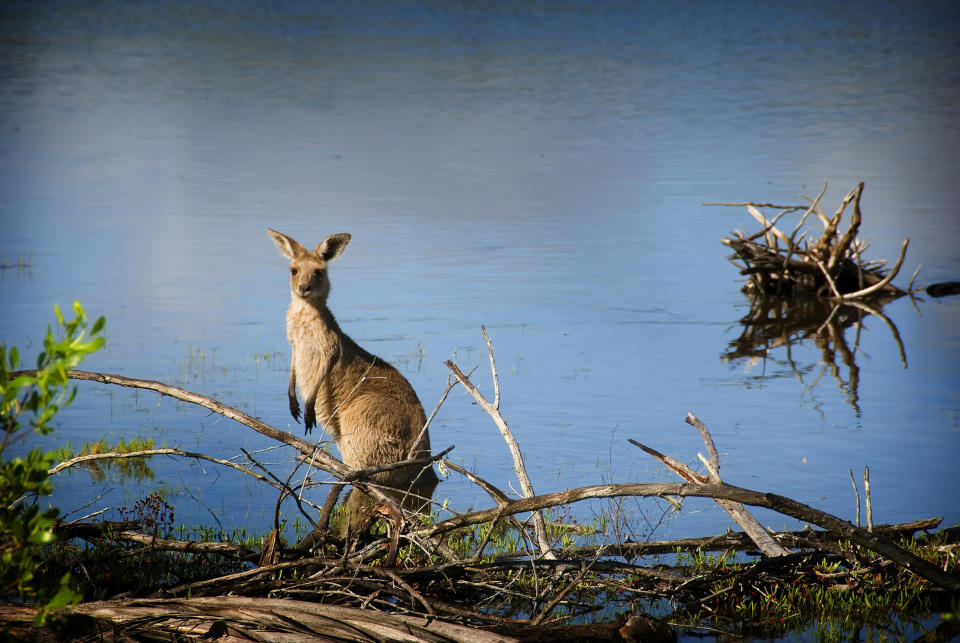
pixel 368 407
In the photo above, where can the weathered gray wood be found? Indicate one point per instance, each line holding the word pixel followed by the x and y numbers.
pixel 493 410
pixel 230 617
pixel 723 491
pixel 761 538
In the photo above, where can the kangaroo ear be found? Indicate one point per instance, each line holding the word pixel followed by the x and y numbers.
pixel 332 246
pixel 287 246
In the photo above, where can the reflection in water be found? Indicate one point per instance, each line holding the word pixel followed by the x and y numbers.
pixel 775 323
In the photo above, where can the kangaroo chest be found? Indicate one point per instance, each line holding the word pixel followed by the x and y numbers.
pixel 317 361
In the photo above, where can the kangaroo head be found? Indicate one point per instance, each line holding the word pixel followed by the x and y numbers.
pixel 308 269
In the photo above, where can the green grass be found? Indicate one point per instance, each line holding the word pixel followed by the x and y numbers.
pixel 135 469
pixel 837 595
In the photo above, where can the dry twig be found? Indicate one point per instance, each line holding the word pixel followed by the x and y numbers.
pixel 493 410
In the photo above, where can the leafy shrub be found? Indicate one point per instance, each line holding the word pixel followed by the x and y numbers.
pixel 28 404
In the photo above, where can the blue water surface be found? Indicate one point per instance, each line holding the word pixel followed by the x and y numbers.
pixel 537 168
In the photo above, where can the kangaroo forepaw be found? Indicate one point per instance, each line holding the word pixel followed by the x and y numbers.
pixel 309 417
pixel 295 409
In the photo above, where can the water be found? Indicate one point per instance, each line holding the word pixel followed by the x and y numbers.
pixel 536 168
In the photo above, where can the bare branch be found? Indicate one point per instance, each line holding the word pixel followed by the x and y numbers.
pixel 317 456
pixel 426 425
pixel 186 547
pixel 736 510
pixel 146 453
pixel 843 245
pixel 200 400
pixel 856 492
pixel 768 226
pixel 914 278
pixel 722 491
pixel 493 369
pixel 826 275
pixel 883 282
pixel 792 208
pixel 676 466
pixel 701 428
pixel 540 529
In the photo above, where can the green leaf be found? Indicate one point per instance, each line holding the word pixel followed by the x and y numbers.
pixel 64 596
pixel 98 325
pixel 42 537
pixel 61 372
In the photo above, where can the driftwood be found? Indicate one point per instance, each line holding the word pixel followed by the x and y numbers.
pixel 412 580
pixel 237 618
pixel 830 266
pixel 809 289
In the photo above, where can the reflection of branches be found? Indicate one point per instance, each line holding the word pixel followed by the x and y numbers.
pixel 876 312
pixel 773 323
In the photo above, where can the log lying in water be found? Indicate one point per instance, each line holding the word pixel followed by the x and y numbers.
pixel 830 266
pixel 944 289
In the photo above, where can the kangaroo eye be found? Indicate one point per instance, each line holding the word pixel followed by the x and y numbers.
pixel 293 271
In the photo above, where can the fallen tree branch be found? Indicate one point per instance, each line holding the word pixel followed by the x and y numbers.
pixel 146 453
pixel 742 204
pixel 754 529
pixel 186 547
pixel 723 491
pixel 263 428
pixel 271 619
pixel 736 540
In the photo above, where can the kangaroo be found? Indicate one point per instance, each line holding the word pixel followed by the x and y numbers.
pixel 365 404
